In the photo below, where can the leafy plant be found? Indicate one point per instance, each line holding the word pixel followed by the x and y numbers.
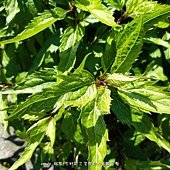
pixel 87 81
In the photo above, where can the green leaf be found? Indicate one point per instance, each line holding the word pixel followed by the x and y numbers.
pixel 33 116
pixel 160 13
pixel 98 10
pixel 117 79
pixel 148 99
pixel 136 8
pixel 39 77
pixel 155 71
pixel 35 82
pixel 118 4
pixel 104 100
pixel 83 96
pixel 142 124
pixel 71 127
pixel 110 52
pixel 29 90
pixel 38 24
pixel 68 125
pixel 51 132
pixel 158 41
pixel 9 64
pixel 38 129
pixel 36 134
pixel 81 66
pixel 69 43
pixel 145 165
pixel 60 114
pixel 11 7
pixel 131 4
pixel 51 43
pixel 44 101
pixel 129 44
pixel 120 108
pixel 95 129
pixel 77 98
pixel 3 111
pixel 26 155
pixel 139 120
pixel 162 24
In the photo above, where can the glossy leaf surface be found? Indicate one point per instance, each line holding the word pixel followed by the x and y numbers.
pixel 129 44
pixel 38 24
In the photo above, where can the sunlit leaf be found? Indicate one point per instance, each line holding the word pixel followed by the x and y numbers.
pixel 118 4
pixel 104 100
pixel 26 155
pixel 69 43
pixel 129 44
pixel 44 101
pixel 117 79
pixel 95 129
pixel 36 134
pixel 38 128
pixel 148 99
pixel 35 82
pixel 158 41
pixel 137 8
pixel 77 98
pixel 160 13
pixel 51 132
pixel 11 6
pixel 38 24
pixel 98 10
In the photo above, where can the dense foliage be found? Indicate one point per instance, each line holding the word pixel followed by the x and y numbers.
pixel 87 81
